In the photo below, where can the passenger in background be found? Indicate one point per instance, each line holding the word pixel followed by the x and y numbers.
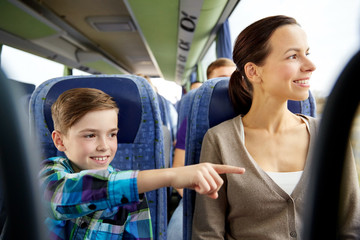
pixel 195 85
pixel 222 67
pixel 85 197
pixel 273 144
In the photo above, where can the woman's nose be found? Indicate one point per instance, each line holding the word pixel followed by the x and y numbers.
pixel 308 65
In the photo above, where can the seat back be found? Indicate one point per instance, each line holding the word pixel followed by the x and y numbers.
pixel 210 107
pixel 169 122
pixel 185 106
pixel 140 139
pixel 24 91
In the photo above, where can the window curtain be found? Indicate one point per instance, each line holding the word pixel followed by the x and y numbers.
pixel 223 42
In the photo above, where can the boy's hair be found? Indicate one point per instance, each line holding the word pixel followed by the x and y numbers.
pixel 220 62
pixel 73 104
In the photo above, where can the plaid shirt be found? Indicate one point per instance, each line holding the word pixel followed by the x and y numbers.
pixel 93 204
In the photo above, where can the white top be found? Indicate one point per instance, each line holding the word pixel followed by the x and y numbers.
pixel 286 180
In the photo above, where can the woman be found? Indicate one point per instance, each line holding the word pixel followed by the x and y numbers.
pixel 269 141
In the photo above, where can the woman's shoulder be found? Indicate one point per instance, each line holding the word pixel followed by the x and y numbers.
pixel 226 127
pixel 313 121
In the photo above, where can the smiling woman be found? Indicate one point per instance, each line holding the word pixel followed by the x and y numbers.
pixel 272 64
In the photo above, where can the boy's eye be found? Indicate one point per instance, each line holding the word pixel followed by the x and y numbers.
pixel 89 135
pixel 113 135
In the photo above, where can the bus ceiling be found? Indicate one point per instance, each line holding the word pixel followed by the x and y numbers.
pixel 158 38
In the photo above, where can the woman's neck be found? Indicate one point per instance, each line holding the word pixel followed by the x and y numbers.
pixel 270 115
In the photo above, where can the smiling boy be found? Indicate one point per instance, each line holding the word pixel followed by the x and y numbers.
pixel 89 199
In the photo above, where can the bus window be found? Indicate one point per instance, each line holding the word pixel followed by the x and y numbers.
pixel 26 67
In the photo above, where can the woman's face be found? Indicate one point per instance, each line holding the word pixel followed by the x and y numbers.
pixel 287 69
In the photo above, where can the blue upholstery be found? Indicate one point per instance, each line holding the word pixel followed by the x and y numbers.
pixel 169 115
pixel 167 130
pixel 185 106
pixel 140 139
pixel 306 107
pixel 211 106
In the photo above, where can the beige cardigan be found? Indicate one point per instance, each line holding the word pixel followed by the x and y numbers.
pixel 252 205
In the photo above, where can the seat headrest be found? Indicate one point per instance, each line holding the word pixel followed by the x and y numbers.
pixel 123 90
pixel 220 108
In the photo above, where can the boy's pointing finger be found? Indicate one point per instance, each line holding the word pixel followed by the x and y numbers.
pixel 221 169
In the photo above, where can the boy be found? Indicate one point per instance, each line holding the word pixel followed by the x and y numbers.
pixel 89 199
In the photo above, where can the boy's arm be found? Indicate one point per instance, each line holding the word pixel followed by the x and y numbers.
pixel 204 178
pixel 71 195
pixel 179 161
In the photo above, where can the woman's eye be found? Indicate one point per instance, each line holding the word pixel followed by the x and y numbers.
pixel 292 56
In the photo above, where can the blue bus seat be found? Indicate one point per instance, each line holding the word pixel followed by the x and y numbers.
pixel 169 122
pixel 211 106
pixel 306 107
pixel 140 138
pixel 184 106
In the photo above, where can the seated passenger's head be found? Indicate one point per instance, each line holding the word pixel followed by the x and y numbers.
pixel 85 127
pixel 222 67
pixel 271 57
pixel 195 85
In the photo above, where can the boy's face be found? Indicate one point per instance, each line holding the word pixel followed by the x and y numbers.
pixel 91 143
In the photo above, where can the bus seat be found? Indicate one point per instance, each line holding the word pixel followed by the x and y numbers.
pixel 306 107
pixel 210 107
pixel 185 106
pixel 25 88
pixel 140 139
pixel 169 128
pixel 169 118
pixel 24 91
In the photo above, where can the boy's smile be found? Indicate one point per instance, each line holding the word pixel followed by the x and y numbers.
pixel 91 142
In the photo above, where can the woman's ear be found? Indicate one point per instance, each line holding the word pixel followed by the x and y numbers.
pixel 252 72
pixel 57 138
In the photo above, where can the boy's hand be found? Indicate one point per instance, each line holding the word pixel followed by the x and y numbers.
pixel 204 178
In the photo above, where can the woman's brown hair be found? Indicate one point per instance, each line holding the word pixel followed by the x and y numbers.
pixel 252 45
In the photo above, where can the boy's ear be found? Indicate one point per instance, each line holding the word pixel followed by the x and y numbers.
pixel 252 72
pixel 57 138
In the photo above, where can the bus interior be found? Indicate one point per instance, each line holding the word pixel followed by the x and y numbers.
pixel 117 46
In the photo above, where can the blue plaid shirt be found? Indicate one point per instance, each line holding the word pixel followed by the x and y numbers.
pixel 93 204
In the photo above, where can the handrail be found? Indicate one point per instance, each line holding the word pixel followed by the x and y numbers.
pixel 322 206
pixel 19 162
